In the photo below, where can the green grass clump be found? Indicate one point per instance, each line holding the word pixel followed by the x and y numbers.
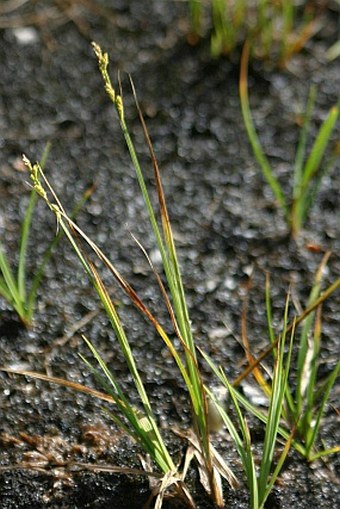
pixel 307 172
pixel 304 403
pixel 294 416
pixel 277 29
pixel 305 396
pixel 13 286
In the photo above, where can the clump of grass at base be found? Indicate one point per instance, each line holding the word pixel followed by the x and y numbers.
pixel 304 404
pixel 307 172
pixel 277 29
pixel 293 418
pixel 13 287
pixel 305 399
pixel 140 423
pixel 261 479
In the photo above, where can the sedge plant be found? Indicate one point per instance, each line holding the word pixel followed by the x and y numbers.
pixel 277 29
pixel 13 286
pixel 176 303
pixel 305 400
pixel 294 413
pixel 140 422
pixel 306 404
pixel 307 170
pixel 306 396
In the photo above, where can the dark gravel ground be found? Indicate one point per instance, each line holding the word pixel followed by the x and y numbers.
pixel 224 218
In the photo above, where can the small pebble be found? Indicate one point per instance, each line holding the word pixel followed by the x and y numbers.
pixel 25 35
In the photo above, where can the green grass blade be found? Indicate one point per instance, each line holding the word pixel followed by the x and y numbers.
pixel 303 201
pixel 4 290
pixel 10 289
pixel 288 12
pixel 319 146
pixel 23 245
pixel 245 451
pixel 24 236
pixel 264 28
pixel 310 377
pixel 323 453
pixel 302 381
pixel 280 375
pixel 301 149
pixel 247 454
pixel 221 376
pixel 252 135
pixel 223 38
pixel 327 387
pixel 288 16
pixel 196 14
pixel 108 381
pixel 290 404
pixel 263 417
pixel 278 467
pixel 242 443
pixel 269 313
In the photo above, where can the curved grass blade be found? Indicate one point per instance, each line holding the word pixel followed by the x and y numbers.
pixel 302 145
pixel 252 135
pixel 303 189
pixel 26 229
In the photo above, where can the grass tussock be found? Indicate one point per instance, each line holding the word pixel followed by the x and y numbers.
pixel 14 287
pixel 308 169
pixel 277 30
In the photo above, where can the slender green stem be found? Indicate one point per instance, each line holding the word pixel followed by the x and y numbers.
pixel 252 135
pixel 24 240
pixel 301 149
pixel 8 286
pixel 305 176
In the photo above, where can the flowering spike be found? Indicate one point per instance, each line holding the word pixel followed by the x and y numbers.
pixel 103 63
pixel 120 107
pixel 34 174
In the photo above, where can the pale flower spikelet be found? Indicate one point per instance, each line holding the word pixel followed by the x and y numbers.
pixel 103 63
pixel 34 175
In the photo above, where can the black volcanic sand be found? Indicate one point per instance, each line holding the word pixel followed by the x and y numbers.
pixel 224 218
